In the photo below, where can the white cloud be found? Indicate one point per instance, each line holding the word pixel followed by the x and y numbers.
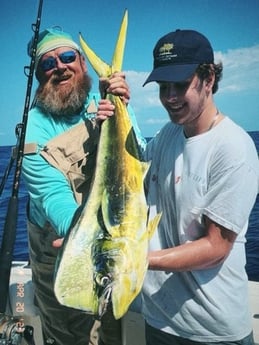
pixel 156 121
pixel 240 69
pixel 142 97
pixel 242 57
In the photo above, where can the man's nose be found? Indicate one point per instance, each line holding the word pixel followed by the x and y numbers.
pixel 171 93
pixel 59 64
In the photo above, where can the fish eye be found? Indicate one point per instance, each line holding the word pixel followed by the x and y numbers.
pixel 102 280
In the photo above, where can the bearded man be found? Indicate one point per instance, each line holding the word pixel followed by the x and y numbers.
pixel 60 152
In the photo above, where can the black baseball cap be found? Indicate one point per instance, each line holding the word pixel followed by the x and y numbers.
pixel 178 54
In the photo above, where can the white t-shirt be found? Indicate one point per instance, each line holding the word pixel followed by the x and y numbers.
pixel 214 174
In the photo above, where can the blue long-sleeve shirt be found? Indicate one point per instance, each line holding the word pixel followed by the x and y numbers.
pixel 51 197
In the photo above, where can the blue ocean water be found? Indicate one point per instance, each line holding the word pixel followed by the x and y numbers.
pixel 21 244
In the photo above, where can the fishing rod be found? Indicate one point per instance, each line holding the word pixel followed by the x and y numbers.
pixel 9 233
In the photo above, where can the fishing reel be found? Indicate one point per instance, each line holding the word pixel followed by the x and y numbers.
pixel 13 331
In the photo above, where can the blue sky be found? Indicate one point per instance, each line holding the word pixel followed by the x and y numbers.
pixel 231 26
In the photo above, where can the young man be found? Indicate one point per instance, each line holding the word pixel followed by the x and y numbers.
pixel 60 152
pixel 204 178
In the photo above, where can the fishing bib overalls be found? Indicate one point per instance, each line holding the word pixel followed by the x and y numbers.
pixel 74 154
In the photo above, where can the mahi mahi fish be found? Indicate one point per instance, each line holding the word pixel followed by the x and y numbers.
pixel 104 255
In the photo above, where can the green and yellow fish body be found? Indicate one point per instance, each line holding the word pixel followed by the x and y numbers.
pixel 104 257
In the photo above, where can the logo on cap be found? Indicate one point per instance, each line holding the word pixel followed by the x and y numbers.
pixel 165 52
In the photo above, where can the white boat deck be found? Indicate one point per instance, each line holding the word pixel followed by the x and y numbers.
pixel 133 324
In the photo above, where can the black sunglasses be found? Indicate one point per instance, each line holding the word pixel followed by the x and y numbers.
pixel 51 62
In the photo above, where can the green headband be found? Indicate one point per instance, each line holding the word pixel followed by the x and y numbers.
pixel 51 39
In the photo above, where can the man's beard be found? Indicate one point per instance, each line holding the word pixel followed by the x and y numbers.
pixel 63 101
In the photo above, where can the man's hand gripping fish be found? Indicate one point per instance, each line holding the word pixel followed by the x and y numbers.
pixel 104 256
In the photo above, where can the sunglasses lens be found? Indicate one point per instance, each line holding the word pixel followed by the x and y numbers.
pixel 48 64
pixel 67 57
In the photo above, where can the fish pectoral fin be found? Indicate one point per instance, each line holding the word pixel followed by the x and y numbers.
pixel 152 224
